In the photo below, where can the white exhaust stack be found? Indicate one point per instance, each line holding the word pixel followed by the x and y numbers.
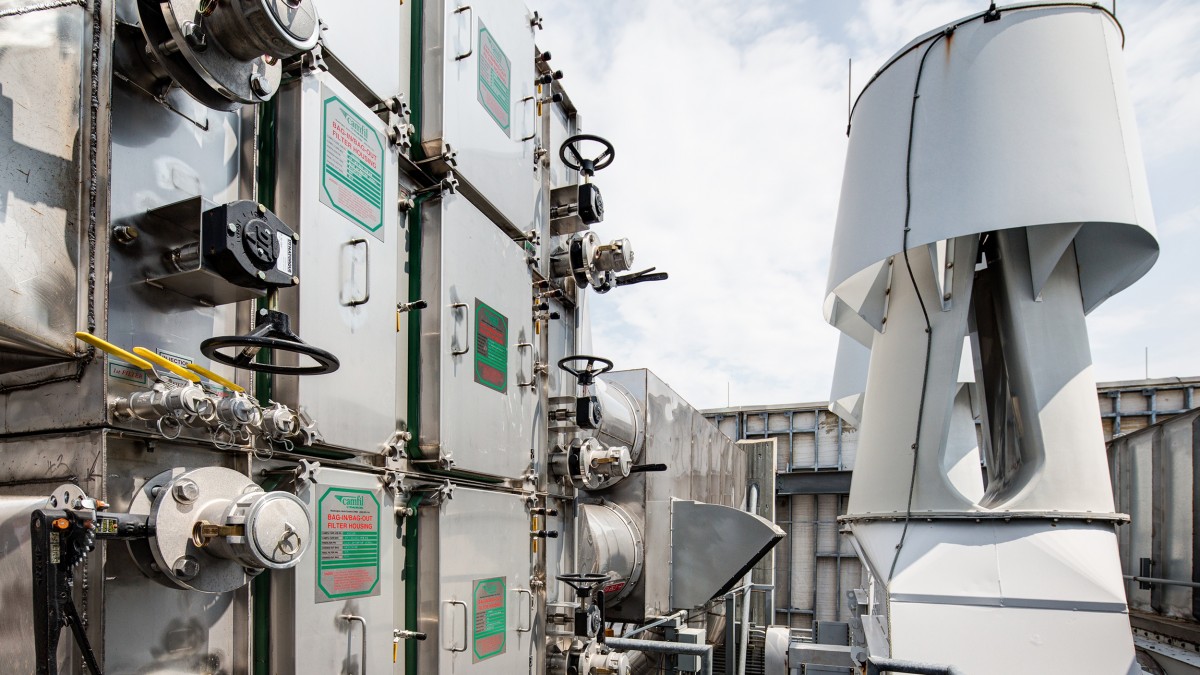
pixel 1000 154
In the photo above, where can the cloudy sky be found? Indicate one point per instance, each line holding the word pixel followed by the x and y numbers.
pixel 729 120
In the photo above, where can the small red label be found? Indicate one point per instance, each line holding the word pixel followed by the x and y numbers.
pixel 613 587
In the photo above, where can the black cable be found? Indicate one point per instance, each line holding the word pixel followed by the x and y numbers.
pixel 912 121
pixel 969 19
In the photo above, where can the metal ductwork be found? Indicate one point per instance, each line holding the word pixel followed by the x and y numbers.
pixel 993 192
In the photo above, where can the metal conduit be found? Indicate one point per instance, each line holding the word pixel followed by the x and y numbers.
pixel 877 665
pixel 705 652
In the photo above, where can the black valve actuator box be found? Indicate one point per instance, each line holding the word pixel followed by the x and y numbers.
pixel 249 246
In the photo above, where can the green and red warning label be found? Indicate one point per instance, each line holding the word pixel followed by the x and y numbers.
pixel 491 348
pixel 491 618
pixel 352 165
pixel 348 551
pixel 495 79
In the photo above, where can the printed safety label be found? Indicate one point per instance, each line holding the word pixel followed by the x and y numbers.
pixel 348 550
pixel 352 165
pixel 495 84
pixel 491 348
pixel 491 618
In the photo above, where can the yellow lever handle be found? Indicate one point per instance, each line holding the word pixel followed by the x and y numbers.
pixel 205 372
pixel 116 351
pixel 169 365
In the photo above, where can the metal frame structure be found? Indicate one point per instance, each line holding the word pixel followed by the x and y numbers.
pixel 1160 398
pixel 818 482
pixel 1121 413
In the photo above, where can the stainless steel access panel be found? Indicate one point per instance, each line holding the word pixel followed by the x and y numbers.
pixel 478 348
pixel 337 186
pixel 374 50
pixel 348 573
pixel 43 241
pixel 478 96
pixel 476 604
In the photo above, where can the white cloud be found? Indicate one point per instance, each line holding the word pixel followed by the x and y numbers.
pixel 1162 53
pixel 729 122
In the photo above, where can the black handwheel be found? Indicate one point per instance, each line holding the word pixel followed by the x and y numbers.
pixel 585 166
pixel 588 374
pixel 327 362
pixel 272 332
pixel 584 584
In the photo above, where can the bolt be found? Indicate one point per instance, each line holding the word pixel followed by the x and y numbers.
pixel 262 275
pixel 232 228
pixel 260 251
pixel 194 35
pixel 295 280
pixel 186 567
pixel 295 237
pixel 185 491
pixel 125 234
pixel 260 85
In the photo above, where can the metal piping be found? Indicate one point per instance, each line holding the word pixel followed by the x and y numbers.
pixel 730 632
pixel 877 665
pixel 751 507
pixel 1163 582
pixel 680 615
pixel 705 652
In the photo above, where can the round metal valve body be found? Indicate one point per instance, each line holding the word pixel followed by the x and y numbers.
pixel 611 543
pixel 277 530
pixel 596 659
pixel 616 256
pixel 591 263
pixel 238 410
pixel 215 529
pixel 163 401
pixel 280 29
pixel 189 400
pixel 591 465
pixel 224 53
pixel 278 421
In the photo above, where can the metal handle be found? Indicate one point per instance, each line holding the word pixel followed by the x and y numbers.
pixel 367 257
pixel 454 334
pixel 363 656
pixel 470 22
pixel 533 126
pixel 529 626
pixel 532 376
pixel 466 615
pixel 116 351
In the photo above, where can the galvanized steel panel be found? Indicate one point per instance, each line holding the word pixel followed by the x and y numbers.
pixel 802 531
pixel 1154 481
